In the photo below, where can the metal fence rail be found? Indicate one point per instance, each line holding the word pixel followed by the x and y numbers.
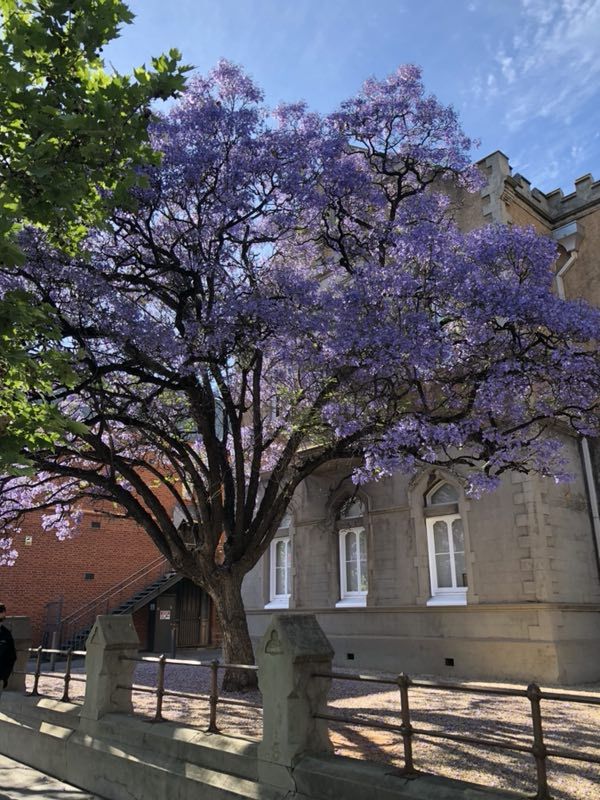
pixel 538 747
pixel 213 697
pixel 533 693
pixel 67 676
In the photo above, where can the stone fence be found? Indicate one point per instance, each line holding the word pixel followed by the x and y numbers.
pixel 104 749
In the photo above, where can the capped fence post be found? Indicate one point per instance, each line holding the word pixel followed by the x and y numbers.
pixel 20 628
pixel 111 642
pixel 291 651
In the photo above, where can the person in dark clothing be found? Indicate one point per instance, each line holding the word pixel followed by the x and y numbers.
pixel 8 654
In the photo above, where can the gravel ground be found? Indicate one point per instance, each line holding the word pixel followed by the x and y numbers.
pixel 567 725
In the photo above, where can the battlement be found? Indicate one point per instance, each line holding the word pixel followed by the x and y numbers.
pixel 587 190
pixel 553 205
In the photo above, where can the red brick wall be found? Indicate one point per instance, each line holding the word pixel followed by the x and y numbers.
pixel 49 568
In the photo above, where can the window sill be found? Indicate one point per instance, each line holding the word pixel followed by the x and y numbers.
pixel 279 602
pixel 448 600
pixel 352 602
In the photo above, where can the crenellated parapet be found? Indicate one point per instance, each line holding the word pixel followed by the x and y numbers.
pixel 502 186
pixel 587 192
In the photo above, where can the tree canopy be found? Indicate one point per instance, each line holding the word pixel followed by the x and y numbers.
pixel 291 288
pixel 72 140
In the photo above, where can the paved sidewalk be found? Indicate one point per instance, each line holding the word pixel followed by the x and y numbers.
pixel 19 782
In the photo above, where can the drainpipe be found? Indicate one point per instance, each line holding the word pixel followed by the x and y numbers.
pixel 560 285
pixel 570 237
pixel 592 495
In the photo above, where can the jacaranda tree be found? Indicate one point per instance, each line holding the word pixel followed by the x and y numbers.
pixel 292 289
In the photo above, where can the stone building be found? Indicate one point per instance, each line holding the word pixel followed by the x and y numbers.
pixel 409 574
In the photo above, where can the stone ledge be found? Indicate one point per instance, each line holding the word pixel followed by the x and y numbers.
pixel 332 778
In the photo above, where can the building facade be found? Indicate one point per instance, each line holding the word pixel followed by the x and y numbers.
pixel 409 574
pixel 109 565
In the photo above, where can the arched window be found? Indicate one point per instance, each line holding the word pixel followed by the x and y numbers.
pixel 354 582
pixel 280 567
pixel 446 546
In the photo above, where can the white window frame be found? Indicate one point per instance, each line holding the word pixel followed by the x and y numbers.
pixel 279 600
pixel 348 598
pixel 445 595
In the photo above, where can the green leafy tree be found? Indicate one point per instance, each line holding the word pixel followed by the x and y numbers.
pixel 72 140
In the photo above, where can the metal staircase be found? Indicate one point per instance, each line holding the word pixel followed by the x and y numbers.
pixel 125 597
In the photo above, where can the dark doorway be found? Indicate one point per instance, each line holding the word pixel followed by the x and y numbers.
pixel 166 605
pixel 189 608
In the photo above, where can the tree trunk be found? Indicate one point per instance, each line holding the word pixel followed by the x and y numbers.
pixel 237 646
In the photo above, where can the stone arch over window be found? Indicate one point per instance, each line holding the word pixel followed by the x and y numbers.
pixel 440 513
pixel 352 546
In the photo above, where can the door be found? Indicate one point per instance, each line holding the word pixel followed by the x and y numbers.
pixel 164 618
pixel 190 615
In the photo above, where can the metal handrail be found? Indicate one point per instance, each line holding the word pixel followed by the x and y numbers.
pixel 67 676
pixel 539 750
pixel 139 573
pixel 213 697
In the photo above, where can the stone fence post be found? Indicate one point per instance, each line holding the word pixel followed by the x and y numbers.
pixel 111 638
pixel 293 648
pixel 20 627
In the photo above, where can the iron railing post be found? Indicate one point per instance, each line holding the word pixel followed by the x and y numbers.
pixel 38 669
pixel 407 730
pixel 160 688
pixel 538 749
pixel 214 696
pixel 54 645
pixel 65 697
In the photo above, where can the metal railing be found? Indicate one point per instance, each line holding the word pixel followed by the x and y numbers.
pixel 538 749
pixel 213 697
pixel 66 677
pixel 111 597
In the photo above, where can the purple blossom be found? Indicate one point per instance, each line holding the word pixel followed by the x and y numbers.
pixel 291 288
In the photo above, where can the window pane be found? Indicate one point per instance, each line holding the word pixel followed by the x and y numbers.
pixel 351 576
pixel 280 553
pixel 283 553
pixel 444 573
pixel 364 581
pixel 351 547
pixel 444 494
pixel 458 541
pixel 280 581
pixel 458 536
pixel 440 537
pixel 461 570
pixel 352 508
pixel 352 561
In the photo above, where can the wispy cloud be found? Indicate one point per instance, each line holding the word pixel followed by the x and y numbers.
pixel 551 66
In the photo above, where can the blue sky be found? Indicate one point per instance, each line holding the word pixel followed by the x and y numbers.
pixel 524 75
